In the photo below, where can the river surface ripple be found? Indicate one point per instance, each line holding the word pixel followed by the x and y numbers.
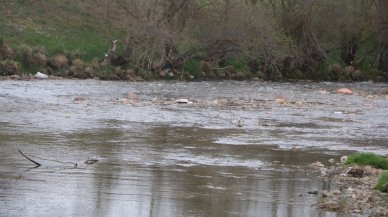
pixel 237 149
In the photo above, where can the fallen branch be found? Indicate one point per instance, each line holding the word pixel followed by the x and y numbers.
pixel 36 163
pixel 88 162
pixel 57 161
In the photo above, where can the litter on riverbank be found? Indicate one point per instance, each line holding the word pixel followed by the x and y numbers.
pixel 351 190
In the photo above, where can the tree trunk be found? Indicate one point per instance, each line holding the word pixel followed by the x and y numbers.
pixel 349 51
pixel 382 31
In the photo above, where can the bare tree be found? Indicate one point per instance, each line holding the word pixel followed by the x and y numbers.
pixel 382 35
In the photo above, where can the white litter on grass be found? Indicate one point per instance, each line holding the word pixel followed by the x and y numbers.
pixel 344 159
pixel 40 75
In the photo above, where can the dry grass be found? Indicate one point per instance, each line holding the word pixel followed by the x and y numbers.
pixel 41 58
pixel 60 61
pixel 9 67
pixel 5 51
pixel 78 64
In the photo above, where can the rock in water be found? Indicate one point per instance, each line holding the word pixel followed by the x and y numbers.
pixel 40 75
pixel 79 98
pixel 344 91
pixel 313 191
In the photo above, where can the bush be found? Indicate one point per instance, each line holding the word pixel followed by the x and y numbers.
pixel 382 182
pixel 368 159
pixel 9 67
pixel 5 51
pixel 60 61
pixel 78 64
pixel 238 64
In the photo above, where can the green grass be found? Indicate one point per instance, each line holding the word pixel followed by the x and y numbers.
pixel 238 64
pixel 368 159
pixel 334 57
pixel 383 180
pixel 60 28
pixel 92 44
pixel 193 67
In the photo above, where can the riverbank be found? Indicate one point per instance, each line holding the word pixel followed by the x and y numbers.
pixel 23 61
pixel 351 190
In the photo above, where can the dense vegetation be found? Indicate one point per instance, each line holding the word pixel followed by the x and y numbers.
pixel 382 182
pixel 368 159
pixel 197 39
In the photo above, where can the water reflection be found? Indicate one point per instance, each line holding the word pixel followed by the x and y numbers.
pixel 137 176
pixel 170 160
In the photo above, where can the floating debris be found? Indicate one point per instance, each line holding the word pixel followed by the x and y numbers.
pixel 313 192
pixel 182 101
pixel 91 161
pixel 79 99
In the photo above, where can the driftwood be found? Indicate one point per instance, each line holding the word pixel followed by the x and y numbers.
pixel 88 162
pixel 57 161
pixel 91 161
pixel 36 163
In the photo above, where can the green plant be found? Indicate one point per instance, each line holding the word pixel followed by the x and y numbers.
pixel 238 64
pixel 192 66
pixel 368 159
pixel 382 182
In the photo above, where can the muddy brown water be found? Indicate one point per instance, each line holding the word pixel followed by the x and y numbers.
pixel 212 157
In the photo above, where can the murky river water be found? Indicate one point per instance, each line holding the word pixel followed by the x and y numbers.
pixel 212 157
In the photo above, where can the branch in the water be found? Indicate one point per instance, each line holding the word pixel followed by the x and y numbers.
pixel 91 161
pixel 36 163
pixel 57 161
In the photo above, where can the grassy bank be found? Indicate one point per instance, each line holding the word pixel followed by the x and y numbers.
pixel 368 159
pixel 35 34
pixel 70 39
pixel 58 27
pixel 382 183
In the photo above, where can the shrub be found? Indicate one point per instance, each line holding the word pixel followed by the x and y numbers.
pixel 382 182
pixel 78 64
pixel 25 56
pixel 9 67
pixel 195 68
pixel 368 159
pixel 40 58
pixel 238 64
pixel 60 61
pixel 5 51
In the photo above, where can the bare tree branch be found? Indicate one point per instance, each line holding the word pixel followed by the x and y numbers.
pixel 36 163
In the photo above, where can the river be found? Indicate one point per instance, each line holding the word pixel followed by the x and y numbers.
pixel 236 149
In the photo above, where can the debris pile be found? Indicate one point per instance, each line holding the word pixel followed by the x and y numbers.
pixel 351 190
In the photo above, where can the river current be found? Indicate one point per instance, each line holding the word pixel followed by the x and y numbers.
pixel 235 149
